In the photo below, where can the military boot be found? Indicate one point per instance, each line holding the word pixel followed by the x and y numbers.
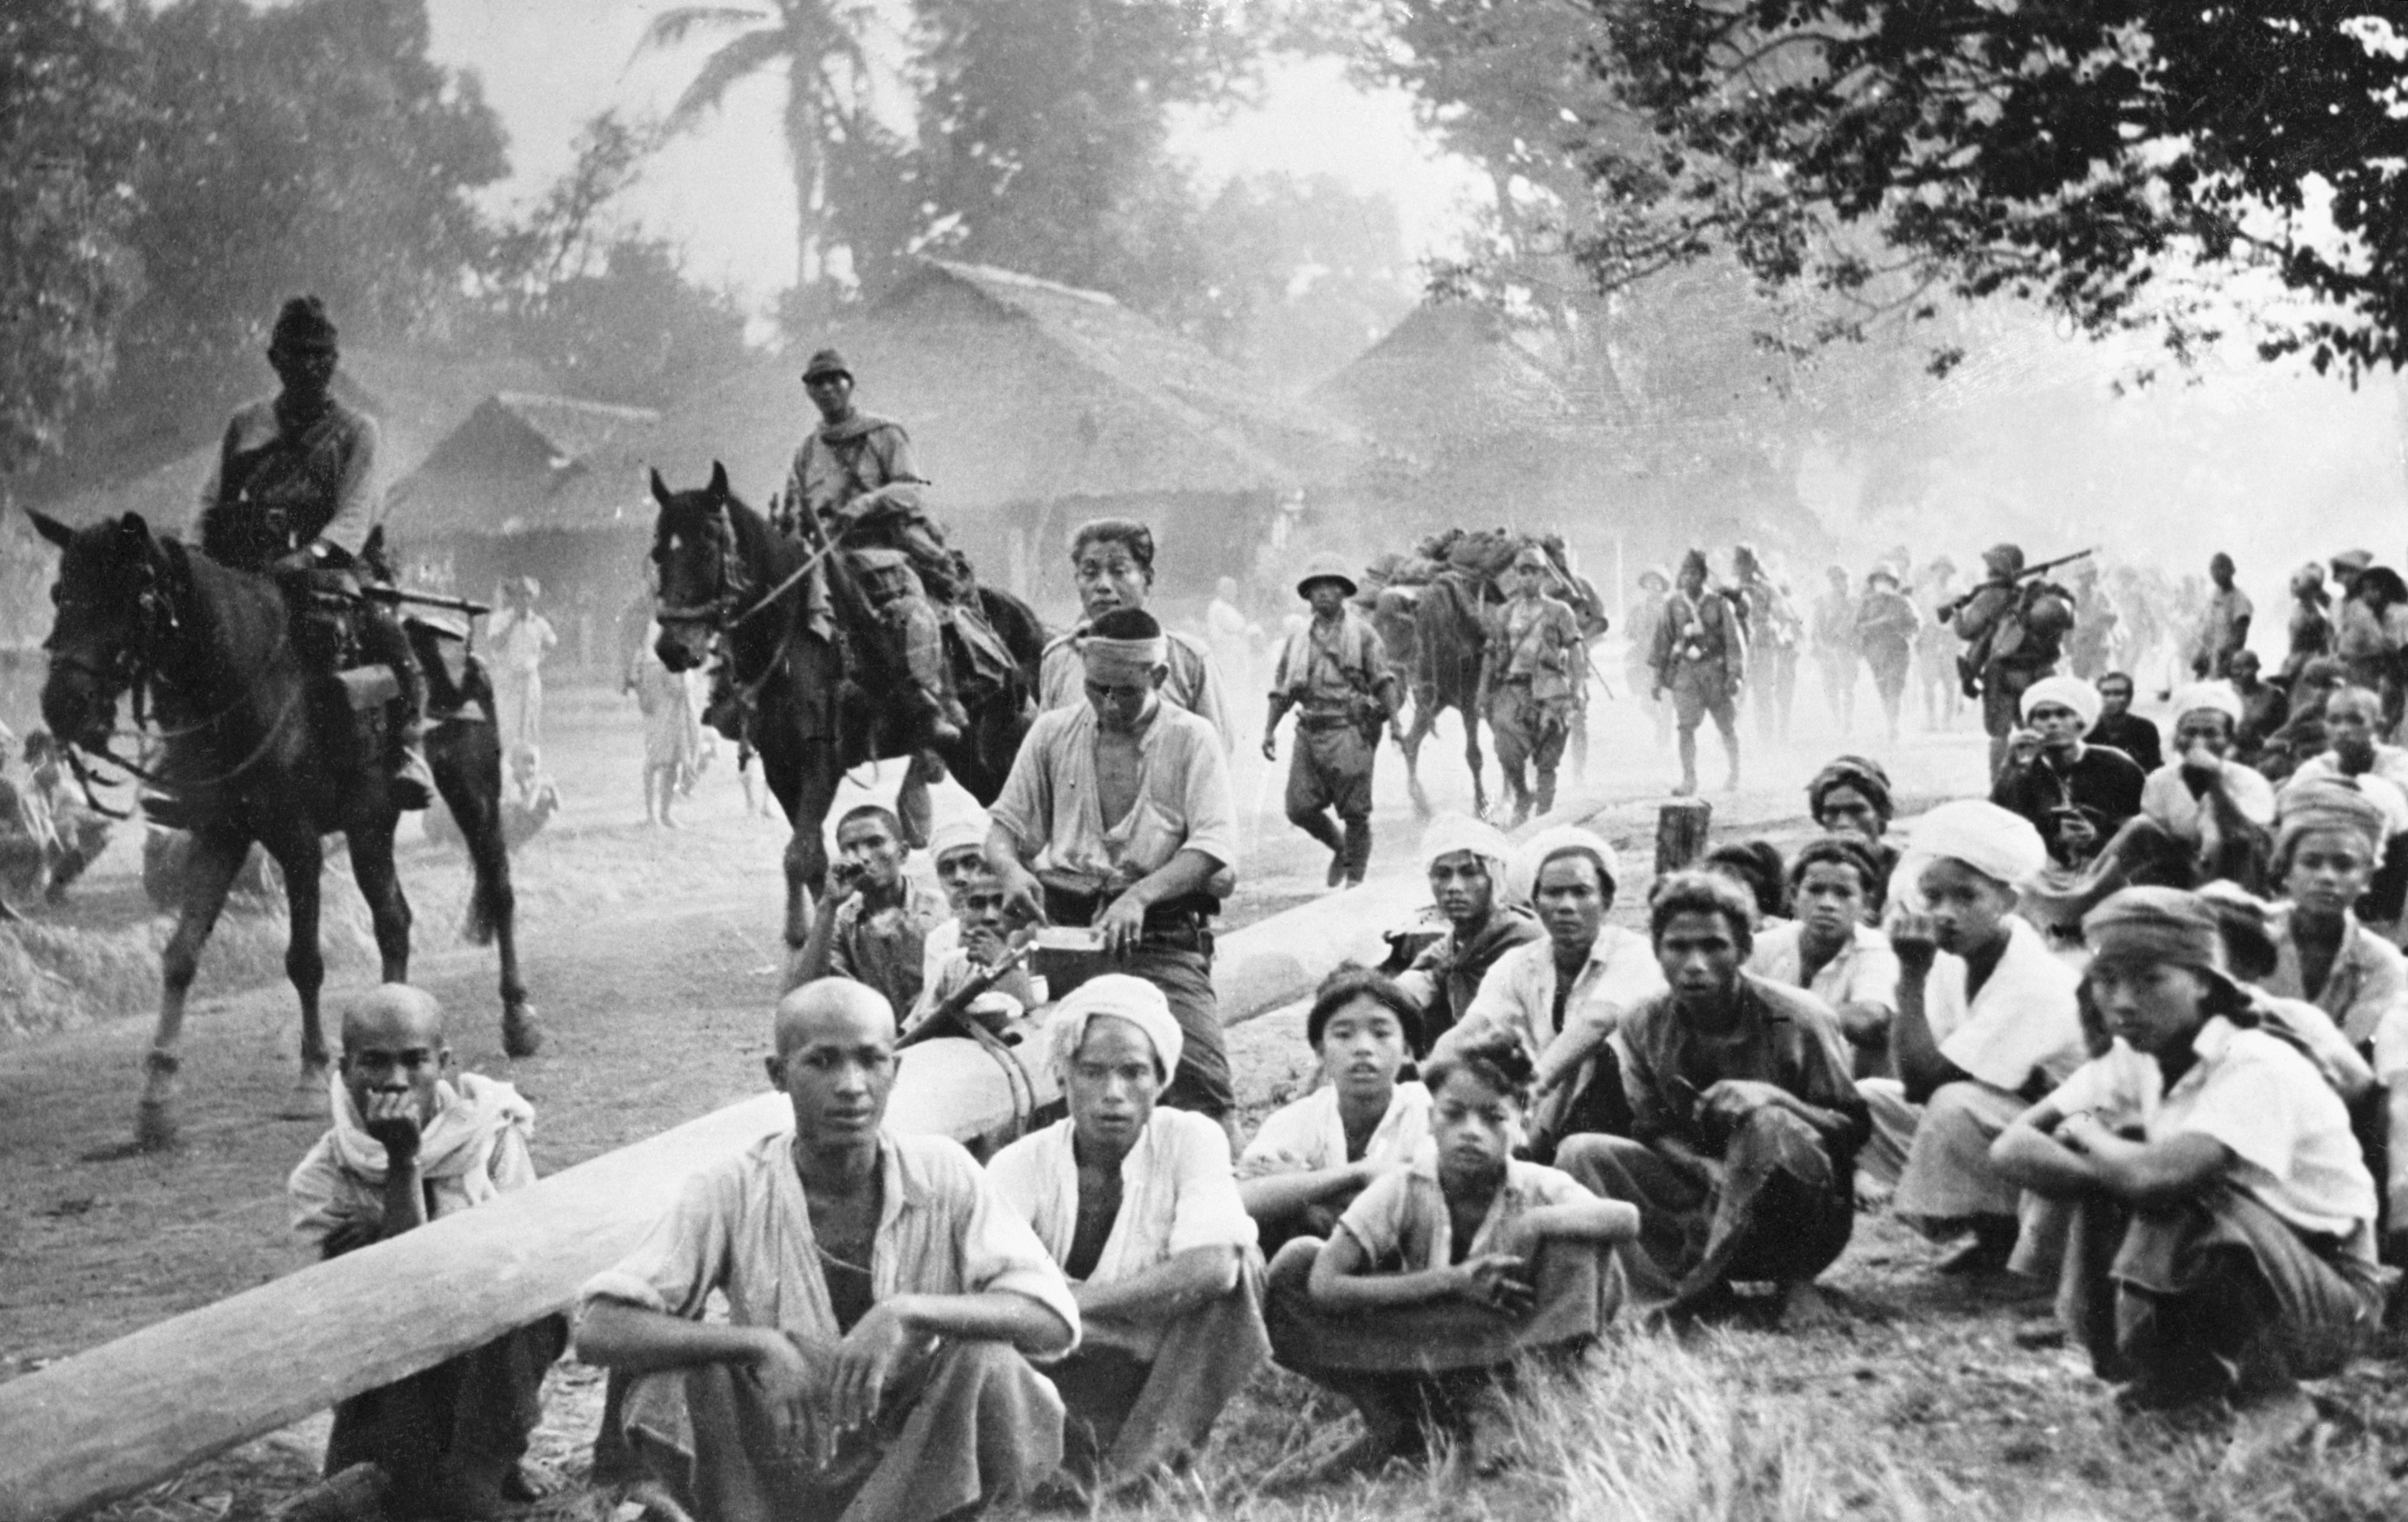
pixel 922 637
pixel 413 783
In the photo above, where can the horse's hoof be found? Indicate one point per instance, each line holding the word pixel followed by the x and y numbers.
pixel 306 1099
pixel 156 1128
pixel 522 1032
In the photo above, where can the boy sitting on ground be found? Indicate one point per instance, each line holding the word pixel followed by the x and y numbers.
pixel 1441 1276
pixel 2226 1249
pixel 409 1145
pixel 1830 949
pixel 1987 1021
pixel 1313 1156
pixel 982 940
pixel 1744 1123
pixel 873 921
pixel 957 854
pixel 1138 1205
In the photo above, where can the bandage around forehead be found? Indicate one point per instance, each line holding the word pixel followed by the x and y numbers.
pixel 1116 661
pixel 2065 691
pixel 1124 997
pixel 1993 841
pixel 2207 698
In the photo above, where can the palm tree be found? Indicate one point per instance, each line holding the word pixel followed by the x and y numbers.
pixel 827 85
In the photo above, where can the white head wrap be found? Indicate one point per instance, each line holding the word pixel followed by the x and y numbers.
pixel 1122 658
pixel 961 831
pixel 1450 833
pixel 1990 840
pixel 2066 692
pixel 1532 854
pixel 2216 696
pixel 1125 998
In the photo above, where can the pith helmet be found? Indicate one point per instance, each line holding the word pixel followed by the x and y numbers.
pixel 1325 568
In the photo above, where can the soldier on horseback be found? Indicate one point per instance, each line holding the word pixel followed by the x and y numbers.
pixel 293 495
pixel 854 478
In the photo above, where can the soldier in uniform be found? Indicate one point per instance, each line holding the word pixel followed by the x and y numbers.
pixel 1335 675
pixel 1700 657
pixel 856 476
pixel 1774 633
pixel 2008 656
pixel 1530 674
pixel 294 492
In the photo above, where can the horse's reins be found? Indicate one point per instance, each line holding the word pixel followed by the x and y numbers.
pixel 723 618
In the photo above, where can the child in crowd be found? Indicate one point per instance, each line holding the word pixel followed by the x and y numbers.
pixel 1313 1156
pixel 1441 1276
pixel 409 1145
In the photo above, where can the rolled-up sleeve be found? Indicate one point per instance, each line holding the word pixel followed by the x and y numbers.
pixel 1024 808
pixel 1000 1253
pixel 683 1257
pixel 1208 1211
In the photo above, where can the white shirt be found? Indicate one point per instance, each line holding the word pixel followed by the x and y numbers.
pixel 1178 1192
pixel 1865 971
pixel 1307 1135
pixel 2024 1019
pixel 1052 800
pixel 1518 992
pixel 1404 1215
pixel 2168 799
pixel 2287 1128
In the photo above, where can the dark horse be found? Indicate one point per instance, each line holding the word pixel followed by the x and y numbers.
pixel 264 750
pixel 1435 645
pixel 808 694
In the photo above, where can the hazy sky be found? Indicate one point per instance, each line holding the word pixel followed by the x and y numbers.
pixel 724 193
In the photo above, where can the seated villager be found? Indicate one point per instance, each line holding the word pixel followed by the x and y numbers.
pixel 2222 1241
pixel 957 854
pixel 78 832
pixel 1831 949
pixel 1442 1277
pixel 1851 795
pixel 1566 992
pixel 2302 733
pixel 414 1141
pixel 1314 1154
pixel 2354 753
pixel 2252 953
pixel 1986 1023
pixel 881 1298
pixel 1139 1206
pixel 1467 861
pixel 1755 866
pixel 28 841
pixel 2117 726
pixel 982 939
pixel 531 798
pixel 872 922
pixel 2264 706
pixel 1744 1126
pixel 2049 766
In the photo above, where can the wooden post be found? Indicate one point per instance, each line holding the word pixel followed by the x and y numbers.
pixel 1681 829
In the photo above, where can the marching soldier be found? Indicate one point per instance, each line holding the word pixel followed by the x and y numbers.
pixel 1334 674
pixel 1700 657
pixel 294 492
pixel 1531 675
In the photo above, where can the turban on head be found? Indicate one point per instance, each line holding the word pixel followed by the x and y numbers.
pixel 2200 696
pixel 2326 803
pixel 1124 642
pixel 302 324
pixel 2066 692
pixel 2158 924
pixel 1124 997
pixel 1450 833
pixel 1998 845
pixel 1532 854
pixel 961 832
pixel 1859 772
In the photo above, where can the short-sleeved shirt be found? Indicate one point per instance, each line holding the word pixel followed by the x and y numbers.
pixel 1864 972
pixel 2026 1020
pixel 1325 669
pixel 2288 1130
pixel 2368 982
pixel 1783 1037
pixel 1307 1135
pixel 1518 994
pixel 520 641
pixel 1193 683
pixel 1402 1224
pixel 887 949
pixel 1051 800
pixel 742 1227
pixel 2169 801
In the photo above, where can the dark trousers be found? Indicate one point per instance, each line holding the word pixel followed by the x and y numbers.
pixel 1202 1082
pixel 468 1419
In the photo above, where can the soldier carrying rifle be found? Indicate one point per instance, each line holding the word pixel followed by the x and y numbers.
pixel 2014 625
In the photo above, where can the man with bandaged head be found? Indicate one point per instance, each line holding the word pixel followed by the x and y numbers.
pixel 1122 807
pixel 1140 1206
pixel 1986 1023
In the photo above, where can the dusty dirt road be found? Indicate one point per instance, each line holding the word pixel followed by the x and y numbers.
pixel 652 957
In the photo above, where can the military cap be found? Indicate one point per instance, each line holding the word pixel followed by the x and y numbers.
pixel 1325 568
pixel 826 363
